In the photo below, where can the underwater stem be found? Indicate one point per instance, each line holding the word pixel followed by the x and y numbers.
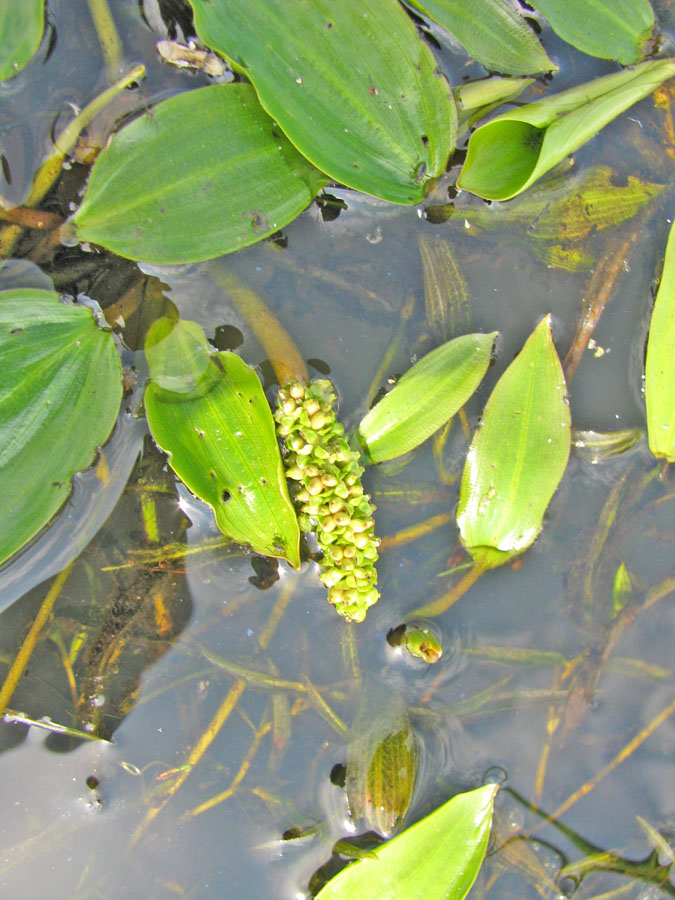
pixel 436 607
pixel 109 39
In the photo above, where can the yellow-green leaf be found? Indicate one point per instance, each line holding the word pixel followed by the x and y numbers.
pixel 518 455
pixel 438 858
pixel 660 363
pixel 429 394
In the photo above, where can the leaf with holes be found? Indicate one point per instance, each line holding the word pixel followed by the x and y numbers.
pixel 350 83
pixel 222 444
pixel 60 393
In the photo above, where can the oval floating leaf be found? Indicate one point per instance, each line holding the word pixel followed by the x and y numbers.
pixel 350 83
pixel 518 455
pixel 221 443
pixel 438 858
pixel 610 29
pixel 492 31
pixel 206 173
pixel 660 363
pixel 59 397
pixel 21 27
pixel 382 760
pixel 508 154
pixel 426 396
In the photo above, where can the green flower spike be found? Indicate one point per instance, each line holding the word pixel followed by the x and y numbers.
pixel 329 495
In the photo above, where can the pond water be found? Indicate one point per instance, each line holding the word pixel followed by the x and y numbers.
pixel 223 781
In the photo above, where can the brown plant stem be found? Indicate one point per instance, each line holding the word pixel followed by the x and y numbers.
pixel 21 660
pixel 277 343
pixel 436 607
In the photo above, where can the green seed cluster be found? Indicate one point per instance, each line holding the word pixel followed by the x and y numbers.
pixel 329 494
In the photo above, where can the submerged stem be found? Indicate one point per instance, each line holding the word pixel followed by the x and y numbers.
pixel 436 607
pixel 109 39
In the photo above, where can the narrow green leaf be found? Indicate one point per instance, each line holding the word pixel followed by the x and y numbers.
pixel 221 443
pixel 205 173
pixel 350 83
pixel 493 32
pixel 518 455
pixel 21 27
pixel 429 394
pixel 60 393
pixel 660 363
pixel 438 858
pixel 508 154
pixel 610 29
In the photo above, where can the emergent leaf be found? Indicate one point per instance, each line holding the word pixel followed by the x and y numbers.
pixel 518 455
pixel 660 363
pixel 205 173
pixel 438 858
pixel 221 443
pixel 429 394
pixel 350 83
pixel 60 393
pixel 508 154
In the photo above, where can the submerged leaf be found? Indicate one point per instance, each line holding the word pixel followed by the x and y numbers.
pixel 508 154
pixel 438 858
pixel 493 32
pixel 221 443
pixel 556 216
pixel 447 301
pixel 21 27
pixel 205 173
pixel 59 398
pixel 381 761
pixel 610 29
pixel 429 394
pixel 351 84
pixel 660 363
pixel 518 455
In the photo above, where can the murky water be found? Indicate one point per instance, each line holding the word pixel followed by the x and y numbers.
pixel 542 683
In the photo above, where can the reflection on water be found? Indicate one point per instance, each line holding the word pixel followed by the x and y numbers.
pixel 229 689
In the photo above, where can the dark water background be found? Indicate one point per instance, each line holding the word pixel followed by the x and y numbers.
pixel 69 809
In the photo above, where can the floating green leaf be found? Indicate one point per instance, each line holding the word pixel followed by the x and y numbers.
pixel 508 154
pixel 382 759
pixel 429 394
pixel 21 27
pixel 610 29
pixel 518 455
pixel 438 858
pixel 59 398
pixel 660 362
pixel 206 173
pixel 350 83
pixel 221 443
pixel 493 32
